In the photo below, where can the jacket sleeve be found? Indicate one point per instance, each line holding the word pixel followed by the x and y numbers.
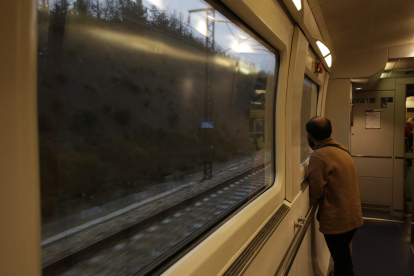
pixel 318 177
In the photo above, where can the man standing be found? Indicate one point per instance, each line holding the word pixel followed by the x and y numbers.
pixel 333 181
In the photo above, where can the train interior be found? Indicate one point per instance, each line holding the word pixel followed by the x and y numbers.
pixel 167 137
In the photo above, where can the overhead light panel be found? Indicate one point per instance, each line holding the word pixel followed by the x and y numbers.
pixel 358 88
pixel 324 50
pixel 328 60
pixel 298 4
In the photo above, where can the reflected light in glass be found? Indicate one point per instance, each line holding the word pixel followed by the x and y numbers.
pixel 223 62
pixel 241 47
pixel 158 3
pixel 324 50
pixel 235 46
pixel 201 27
pixel 328 60
pixel 212 18
pixel 242 37
pixel 244 71
pixel 298 4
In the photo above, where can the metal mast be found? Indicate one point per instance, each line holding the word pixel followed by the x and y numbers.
pixel 208 96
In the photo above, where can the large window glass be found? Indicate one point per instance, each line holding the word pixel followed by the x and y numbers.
pixel 155 123
pixel 308 110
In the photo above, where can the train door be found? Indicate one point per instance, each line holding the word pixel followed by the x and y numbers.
pixel 372 147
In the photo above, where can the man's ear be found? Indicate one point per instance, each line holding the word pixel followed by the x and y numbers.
pixel 309 136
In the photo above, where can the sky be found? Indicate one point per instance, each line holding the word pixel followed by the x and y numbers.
pixel 228 36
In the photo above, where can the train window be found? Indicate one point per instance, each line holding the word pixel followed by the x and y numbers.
pixel 155 124
pixel 308 110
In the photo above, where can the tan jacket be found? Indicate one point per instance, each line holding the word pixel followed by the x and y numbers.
pixel 340 211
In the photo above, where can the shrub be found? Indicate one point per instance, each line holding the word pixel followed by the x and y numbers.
pixel 83 120
pixel 123 117
pixel 62 78
pixel 146 103
pixel 106 109
pixel 89 87
pixel 44 123
pixel 173 119
pixel 127 82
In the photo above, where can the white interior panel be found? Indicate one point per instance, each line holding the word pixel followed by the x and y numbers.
pixel 293 118
pixel 338 110
pixel 401 51
pixel 399 120
pixel 304 256
pixel 322 100
pixel 374 167
pixel 385 84
pixel 320 252
pixel 398 188
pixel 373 142
pixel 362 66
pixel 375 190
pixel 269 258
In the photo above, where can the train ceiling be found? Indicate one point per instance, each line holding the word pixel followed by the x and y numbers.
pixel 358 26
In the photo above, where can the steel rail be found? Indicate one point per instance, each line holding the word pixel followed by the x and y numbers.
pixel 291 253
pixel 63 263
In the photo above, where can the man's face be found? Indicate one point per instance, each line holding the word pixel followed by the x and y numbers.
pixel 310 141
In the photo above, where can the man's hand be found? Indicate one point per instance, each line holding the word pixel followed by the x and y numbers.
pixel 326 191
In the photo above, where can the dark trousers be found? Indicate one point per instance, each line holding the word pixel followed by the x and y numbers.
pixel 339 247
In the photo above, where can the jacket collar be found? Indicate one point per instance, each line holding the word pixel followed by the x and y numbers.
pixel 322 143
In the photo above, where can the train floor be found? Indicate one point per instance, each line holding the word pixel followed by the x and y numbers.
pixel 381 248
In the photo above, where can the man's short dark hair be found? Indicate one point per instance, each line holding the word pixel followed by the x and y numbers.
pixel 319 127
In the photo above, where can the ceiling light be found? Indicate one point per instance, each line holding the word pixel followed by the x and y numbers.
pixel 384 75
pixel 328 60
pixel 324 50
pixel 298 4
pixel 358 88
pixel 242 37
pixel 390 65
pixel 211 17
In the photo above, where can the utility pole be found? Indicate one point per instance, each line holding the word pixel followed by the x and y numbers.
pixel 208 122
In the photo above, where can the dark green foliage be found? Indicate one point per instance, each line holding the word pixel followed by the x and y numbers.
pixel 106 109
pixel 83 120
pixel 173 80
pixel 123 116
pixel 44 123
pixel 81 7
pixel 146 103
pixel 127 82
pixel 173 119
pixel 80 172
pixel 62 78
pixel 89 87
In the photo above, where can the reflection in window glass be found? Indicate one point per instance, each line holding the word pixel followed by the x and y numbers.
pixel 308 111
pixel 155 122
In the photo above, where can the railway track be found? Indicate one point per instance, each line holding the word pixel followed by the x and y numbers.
pixel 136 249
